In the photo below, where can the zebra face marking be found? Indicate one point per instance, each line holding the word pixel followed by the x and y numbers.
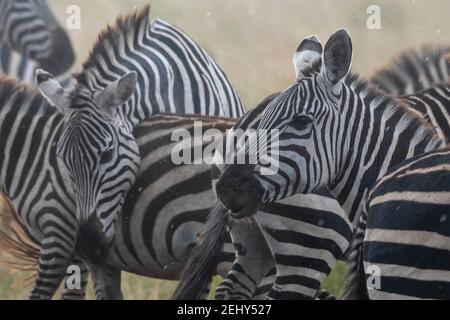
pixel 100 155
pixel 304 118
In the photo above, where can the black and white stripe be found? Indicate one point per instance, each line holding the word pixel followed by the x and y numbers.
pixel 86 113
pixel 334 119
pixel 408 230
pixel 16 65
pixel 174 74
pixel 29 28
pixel 414 70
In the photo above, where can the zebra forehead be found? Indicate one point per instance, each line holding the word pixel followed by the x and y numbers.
pixel 82 134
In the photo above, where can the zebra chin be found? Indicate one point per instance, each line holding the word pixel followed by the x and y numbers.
pixel 241 204
pixel 92 244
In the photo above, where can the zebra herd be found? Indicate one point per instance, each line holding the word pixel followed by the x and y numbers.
pixel 86 166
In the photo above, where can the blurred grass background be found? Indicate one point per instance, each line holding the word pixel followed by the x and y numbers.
pixel 254 41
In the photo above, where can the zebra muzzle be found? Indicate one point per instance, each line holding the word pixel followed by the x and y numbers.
pixel 92 244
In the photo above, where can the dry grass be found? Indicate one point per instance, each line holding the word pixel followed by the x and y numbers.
pixel 253 41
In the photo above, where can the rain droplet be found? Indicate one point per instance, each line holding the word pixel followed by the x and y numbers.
pixel 443 218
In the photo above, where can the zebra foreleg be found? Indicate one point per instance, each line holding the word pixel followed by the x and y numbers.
pixel 76 281
pixel 107 282
pixel 266 285
pixel 56 254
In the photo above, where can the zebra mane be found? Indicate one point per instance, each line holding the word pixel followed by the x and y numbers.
pixel 10 88
pixel 419 59
pixel 372 92
pixel 112 38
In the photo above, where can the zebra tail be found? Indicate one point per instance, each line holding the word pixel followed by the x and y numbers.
pixel 355 282
pixel 18 251
pixel 204 258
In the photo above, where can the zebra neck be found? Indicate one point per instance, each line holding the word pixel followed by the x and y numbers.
pixel 382 134
pixel 433 105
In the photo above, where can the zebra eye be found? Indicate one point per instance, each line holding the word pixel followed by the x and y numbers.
pixel 107 156
pixel 302 122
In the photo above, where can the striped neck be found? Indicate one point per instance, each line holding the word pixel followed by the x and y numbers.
pixel 382 133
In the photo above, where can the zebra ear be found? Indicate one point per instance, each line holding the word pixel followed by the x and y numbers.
pixel 52 90
pixel 117 93
pixel 337 57
pixel 308 52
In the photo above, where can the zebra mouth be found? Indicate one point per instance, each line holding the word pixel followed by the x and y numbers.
pixel 248 210
pixel 240 204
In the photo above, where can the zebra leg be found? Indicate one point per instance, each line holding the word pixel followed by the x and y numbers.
pixel 266 285
pixel 75 289
pixel 55 256
pixel 305 249
pixel 253 261
pixel 107 282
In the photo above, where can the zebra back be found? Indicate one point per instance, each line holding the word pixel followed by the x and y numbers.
pixel 414 70
pixel 174 74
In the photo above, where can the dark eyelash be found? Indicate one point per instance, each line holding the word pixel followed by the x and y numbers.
pixel 301 122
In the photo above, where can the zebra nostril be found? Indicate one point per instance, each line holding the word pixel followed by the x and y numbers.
pixel 242 181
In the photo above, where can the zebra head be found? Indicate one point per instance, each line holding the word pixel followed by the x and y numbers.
pixel 100 154
pixel 30 28
pixel 302 124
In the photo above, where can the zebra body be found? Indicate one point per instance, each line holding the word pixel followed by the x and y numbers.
pixel 159 223
pixel 357 102
pixel 407 232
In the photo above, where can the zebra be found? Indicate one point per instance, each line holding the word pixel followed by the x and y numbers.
pixel 430 103
pixel 407 234
pixel 322 100
pixel 29 28
pixel 160 41
pixel 426 61
pixel 414 70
